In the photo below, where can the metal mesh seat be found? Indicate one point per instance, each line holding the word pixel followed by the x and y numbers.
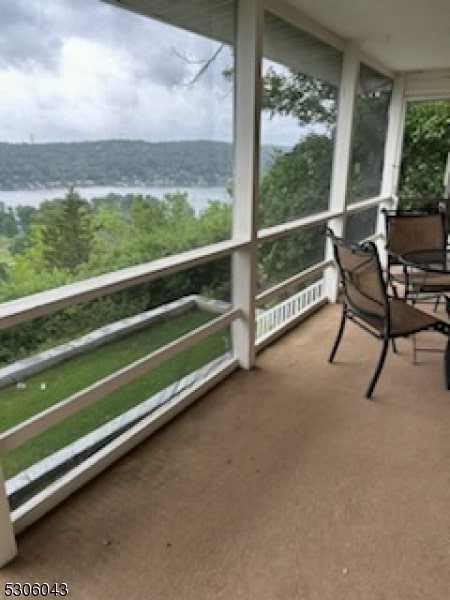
pixel 367 304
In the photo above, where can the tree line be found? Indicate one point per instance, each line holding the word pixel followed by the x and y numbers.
pixel 118 162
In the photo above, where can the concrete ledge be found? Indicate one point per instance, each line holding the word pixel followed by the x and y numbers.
pixel 18 371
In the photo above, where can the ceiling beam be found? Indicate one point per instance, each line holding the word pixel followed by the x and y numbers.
pixel 428 85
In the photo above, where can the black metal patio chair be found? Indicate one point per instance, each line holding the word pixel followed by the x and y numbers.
pixel 367 303
pixel 408 231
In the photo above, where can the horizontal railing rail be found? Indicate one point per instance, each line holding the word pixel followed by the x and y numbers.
pixel 284 229
pixel 47 302
pixel 288 284
pixel 363 205
pixel 277 231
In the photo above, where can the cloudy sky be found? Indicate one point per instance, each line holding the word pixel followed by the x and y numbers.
pixel 85 70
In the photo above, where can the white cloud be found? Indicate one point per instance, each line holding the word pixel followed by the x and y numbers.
pixel 87 70
pixel 126 79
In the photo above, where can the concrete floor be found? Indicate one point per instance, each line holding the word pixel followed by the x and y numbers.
pixel 282 483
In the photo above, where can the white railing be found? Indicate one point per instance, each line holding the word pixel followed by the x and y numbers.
pixel 50 301
pixel 275 318
pixel 270 324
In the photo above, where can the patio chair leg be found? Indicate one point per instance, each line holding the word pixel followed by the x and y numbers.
pixel 378 369
pixel 394 289
pixel 339 336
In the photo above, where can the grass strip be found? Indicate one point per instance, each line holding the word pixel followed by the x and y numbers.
pixel 68 377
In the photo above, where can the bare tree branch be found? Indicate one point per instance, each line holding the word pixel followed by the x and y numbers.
pixel 205 64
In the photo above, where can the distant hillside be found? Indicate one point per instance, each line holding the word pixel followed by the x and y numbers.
pixel 119 162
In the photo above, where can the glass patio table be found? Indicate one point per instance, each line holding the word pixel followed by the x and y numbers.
pixel 430 272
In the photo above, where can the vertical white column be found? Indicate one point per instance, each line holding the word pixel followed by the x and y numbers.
pixel 247 103
pixel 447 178
pixel 8 549
pixel 342 156
pixel 392 157
pixel 394 138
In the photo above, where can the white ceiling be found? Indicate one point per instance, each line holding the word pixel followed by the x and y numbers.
pixel 404 35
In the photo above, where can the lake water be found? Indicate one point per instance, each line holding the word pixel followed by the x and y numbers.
pixel 198 196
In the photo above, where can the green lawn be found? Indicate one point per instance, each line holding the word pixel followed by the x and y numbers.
pixel 69 377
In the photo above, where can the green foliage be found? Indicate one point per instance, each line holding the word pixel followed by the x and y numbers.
pixel 69 240
pixel 426 145
pixel 369 137
pixel 24 216
pixel 297 185
pixel 66 232
pixel 294 94
pixel 8 225
pixel 39 334
pixel 313 101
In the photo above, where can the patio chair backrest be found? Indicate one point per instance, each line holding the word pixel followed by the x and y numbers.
pixel 362 279
pixel 407 231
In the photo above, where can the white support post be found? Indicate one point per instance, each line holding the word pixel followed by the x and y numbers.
pixel 394 138
pixel 247 103
pixel 342 156
pixel 8 548
pixel 392 153
pixel 447 178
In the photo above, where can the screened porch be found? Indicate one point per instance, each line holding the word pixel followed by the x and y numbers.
pixel 281 480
